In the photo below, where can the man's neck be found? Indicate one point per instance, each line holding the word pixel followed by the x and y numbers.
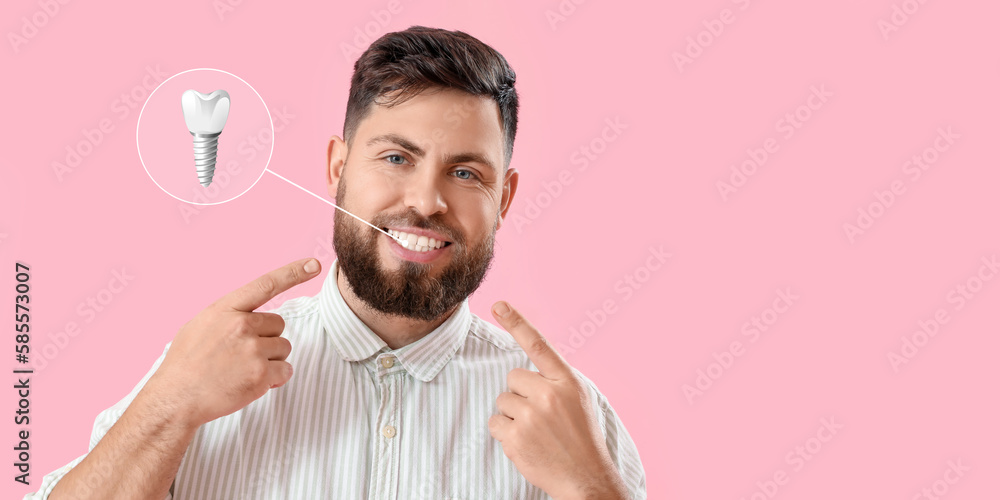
pixel 396 331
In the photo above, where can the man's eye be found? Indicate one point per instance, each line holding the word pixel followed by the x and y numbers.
pixel 399 157
pixel 470 175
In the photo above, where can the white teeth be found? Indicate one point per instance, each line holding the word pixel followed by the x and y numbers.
pixel 414 242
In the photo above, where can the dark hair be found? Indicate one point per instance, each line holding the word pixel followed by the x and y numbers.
pixel 402 64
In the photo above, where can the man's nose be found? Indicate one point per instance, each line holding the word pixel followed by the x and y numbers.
pixel 423 192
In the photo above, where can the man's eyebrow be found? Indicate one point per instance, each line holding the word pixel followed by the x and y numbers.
pixel 419 152
pixel 470 157
pixel 398 140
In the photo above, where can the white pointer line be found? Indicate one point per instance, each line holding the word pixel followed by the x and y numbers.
pixel 401 242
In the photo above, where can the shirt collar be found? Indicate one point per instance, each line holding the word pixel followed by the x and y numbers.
pixel 354 341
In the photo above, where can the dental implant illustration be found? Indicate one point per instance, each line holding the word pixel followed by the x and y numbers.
pixel 205 115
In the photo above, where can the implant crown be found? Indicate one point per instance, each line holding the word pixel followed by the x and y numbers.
pixel 205 114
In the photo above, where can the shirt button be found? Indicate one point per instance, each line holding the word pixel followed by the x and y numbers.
pixel 389 431
pixel 388 362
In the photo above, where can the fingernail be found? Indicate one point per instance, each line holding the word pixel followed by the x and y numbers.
pixel 501 309
pixel 312 266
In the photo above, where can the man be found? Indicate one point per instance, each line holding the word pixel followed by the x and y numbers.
pixel 399 390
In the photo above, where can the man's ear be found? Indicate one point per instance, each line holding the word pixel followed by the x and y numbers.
pixel 336 157
pixel 509 188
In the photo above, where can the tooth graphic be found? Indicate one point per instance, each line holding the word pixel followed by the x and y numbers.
pixel 205 115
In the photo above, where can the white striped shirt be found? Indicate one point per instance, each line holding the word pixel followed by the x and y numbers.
pixel 360 420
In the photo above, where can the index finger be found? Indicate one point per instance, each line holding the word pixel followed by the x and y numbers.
pixel 550 364
pixel 256 293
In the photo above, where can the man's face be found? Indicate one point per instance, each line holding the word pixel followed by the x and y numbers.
pixel 431 167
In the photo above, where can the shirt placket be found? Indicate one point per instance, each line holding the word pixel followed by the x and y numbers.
pixel 390 375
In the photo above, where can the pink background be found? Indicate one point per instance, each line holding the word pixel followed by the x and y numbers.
pixel 653 184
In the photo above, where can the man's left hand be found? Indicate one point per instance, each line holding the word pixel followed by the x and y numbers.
pixel 547 425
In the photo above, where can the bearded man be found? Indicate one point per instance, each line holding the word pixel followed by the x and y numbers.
pixel 399 391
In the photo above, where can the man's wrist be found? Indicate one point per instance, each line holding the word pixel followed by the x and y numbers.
pixel 157 403
pixel 609 487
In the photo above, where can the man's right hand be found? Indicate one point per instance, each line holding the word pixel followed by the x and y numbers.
pixel 219 362
pixel 229 356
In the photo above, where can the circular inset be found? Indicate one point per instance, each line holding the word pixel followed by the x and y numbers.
pixel 178 143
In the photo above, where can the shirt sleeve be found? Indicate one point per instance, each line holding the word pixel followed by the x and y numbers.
pixel 102 424
pixel 623 451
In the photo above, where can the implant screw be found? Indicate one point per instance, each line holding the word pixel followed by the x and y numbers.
pixel 206 148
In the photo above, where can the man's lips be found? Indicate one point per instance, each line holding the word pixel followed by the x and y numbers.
pixel 417 248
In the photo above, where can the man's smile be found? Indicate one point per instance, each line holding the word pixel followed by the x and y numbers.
pixel 422 245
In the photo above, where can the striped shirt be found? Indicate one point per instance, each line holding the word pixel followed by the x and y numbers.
pixel 360 420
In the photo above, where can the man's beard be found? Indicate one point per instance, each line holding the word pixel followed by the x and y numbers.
pixel 409 291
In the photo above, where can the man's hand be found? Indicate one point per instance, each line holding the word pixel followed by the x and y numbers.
pixel 229 356
pixel 220 361
pixel 547 425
